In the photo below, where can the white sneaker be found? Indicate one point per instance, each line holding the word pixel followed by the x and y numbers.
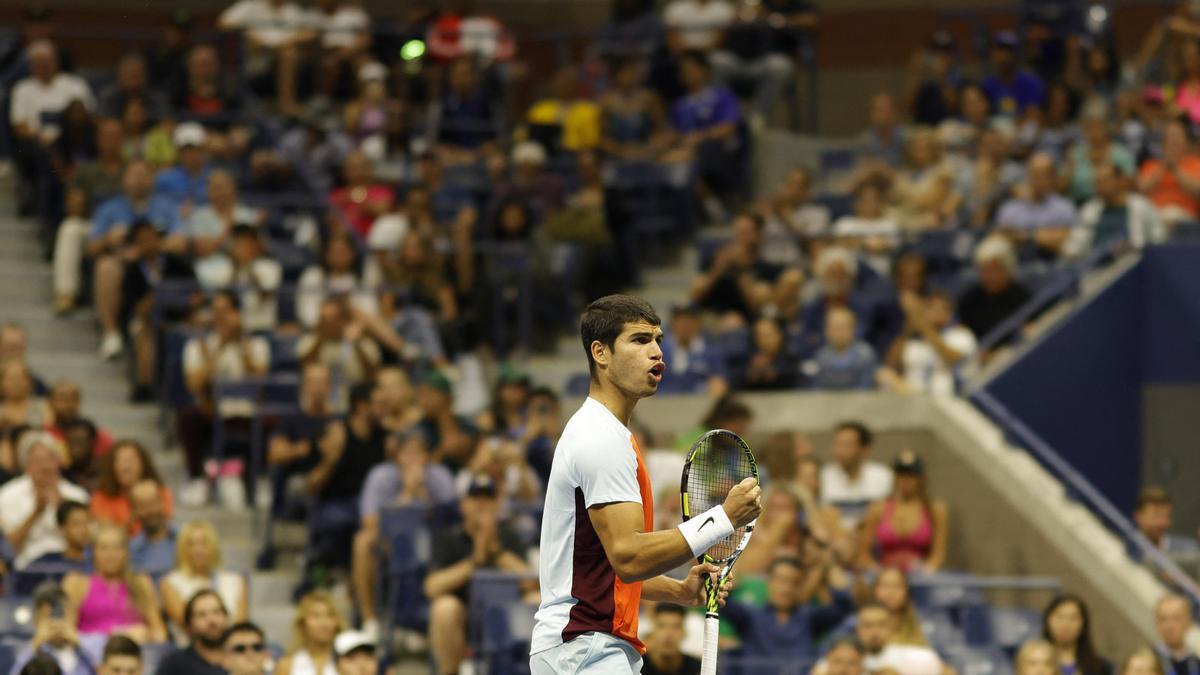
pixel 231 493
pixel 194 493
pixel 111 346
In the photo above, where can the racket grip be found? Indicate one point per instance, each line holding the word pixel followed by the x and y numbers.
pixel 712 630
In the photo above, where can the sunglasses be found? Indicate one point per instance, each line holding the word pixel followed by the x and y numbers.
pixel 256 647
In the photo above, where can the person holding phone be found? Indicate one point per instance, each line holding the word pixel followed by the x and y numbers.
pixel 54 633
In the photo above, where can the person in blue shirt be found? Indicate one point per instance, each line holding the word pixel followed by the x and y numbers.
pixel 107 242
pixel 1011 89
pixel 151 551
pixel 75 523
pixel 186 183
pixel 693 363
pixel 706 119
pixel 786 628
pixel 845 362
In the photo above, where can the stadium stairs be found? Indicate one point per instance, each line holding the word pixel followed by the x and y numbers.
pixel 65 347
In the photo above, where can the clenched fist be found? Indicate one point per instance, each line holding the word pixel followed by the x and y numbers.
pixel 744 502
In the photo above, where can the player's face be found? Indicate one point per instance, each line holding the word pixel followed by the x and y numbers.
pixel 637 360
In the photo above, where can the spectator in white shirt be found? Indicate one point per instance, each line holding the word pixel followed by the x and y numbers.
pixel 870 230
pixel 697 24
pixel 275 32
pixel 851 482
pixel 923 357
pixel 28 503
pixel 1116 216
pixel 344 35
pixel 255 276
pixel 38 102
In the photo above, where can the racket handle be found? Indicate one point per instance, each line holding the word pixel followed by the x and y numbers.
pixel 712 629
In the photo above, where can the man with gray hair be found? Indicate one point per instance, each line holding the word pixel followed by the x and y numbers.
pixel 1172 622
pixel 997 295
pixel 28 503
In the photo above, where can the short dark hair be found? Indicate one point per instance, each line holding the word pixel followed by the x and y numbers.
pixel 190 607
pixel 1153 495
pixel 82 423
pixel 543 392
pixel 65 510
pixel 360 394
pixel 119 645
pixel 865 437
pixel 605 318
pixel 229 295
pixel 41 664
pixel 789 560
pixel 669 608
pixel 727 408
pixel 697 57
pixel 48 594
pixel 243 627
pixel 140 225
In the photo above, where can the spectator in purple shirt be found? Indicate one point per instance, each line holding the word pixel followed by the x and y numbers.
pixel 411 478
pixel 1011 89
pixel 1041 218
pixel 707 119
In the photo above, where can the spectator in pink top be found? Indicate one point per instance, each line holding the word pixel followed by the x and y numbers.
pixel 362 199
pixel 1187 95
pixel 114 599
pixel 908 529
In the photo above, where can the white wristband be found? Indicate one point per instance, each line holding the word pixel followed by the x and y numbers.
pixel 704 530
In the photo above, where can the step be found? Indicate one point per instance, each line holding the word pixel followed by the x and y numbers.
pixel 276 622
pixel 19 244
pixel 273 588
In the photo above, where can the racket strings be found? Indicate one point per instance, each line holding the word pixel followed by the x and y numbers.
pixel 718 465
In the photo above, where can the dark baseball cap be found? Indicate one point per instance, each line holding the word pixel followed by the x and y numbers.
pixel 481 485
pixel 438 380
pixel 908 462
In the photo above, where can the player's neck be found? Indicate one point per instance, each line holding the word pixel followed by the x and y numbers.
pixel 620 405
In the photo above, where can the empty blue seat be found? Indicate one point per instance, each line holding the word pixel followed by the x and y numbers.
pixel 1012 626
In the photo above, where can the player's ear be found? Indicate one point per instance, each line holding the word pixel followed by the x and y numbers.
pixel 601 354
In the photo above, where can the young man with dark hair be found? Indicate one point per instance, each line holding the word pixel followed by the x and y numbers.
pixel 851 482
pixel 75 523
pixel 122 656
pixel 1153 515
pixel 663 656
pixel 205 619
pixel 54 633
pixel 599 558
pixel 245 648
pixel 153 549
pixel 786 628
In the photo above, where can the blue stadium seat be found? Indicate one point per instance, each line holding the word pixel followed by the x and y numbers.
pixel 9 650
pixel 1012 626
pixel 1188 230
pixel 284 358
pixel 153 654
pixel 977 661
pixel 940 629
pixel 16 616
pixel 504 641
pixel 404 547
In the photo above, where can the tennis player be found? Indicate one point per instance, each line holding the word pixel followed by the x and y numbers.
pixel 599 556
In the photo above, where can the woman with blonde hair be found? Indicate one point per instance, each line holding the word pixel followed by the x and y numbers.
pixel 1036 657
pixel 316 625
pixel 892 590
pixel 1141 661
pixel 197 568
pixel 113 599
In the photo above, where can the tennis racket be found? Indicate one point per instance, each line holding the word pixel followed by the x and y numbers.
pixel 717 461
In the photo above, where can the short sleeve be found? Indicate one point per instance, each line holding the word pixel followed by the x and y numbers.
pixel 606 476
pixel 379 489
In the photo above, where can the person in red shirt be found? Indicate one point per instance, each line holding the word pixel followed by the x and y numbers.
pixel 66 403
pixel 362 199
pixel 1173 182
pixel 120 470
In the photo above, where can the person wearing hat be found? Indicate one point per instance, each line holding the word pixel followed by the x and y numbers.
pixel 908 529
pixel 148 268
pixel 451 437
pixel 1012 90
pixel 28 503
pixel 187 182
pixel 355 653
pixel 482 541
pixel 410 478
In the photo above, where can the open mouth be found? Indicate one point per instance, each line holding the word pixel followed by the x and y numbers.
pixel 657 370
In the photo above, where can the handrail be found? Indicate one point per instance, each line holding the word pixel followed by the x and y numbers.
pixel 1081 486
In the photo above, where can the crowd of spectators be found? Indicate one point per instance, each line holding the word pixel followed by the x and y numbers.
pixel 449 218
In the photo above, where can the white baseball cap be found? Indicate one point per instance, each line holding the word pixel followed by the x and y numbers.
pixel 351 640
pixel 189 133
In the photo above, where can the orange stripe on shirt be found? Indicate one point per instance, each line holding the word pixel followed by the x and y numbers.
pixel 628 597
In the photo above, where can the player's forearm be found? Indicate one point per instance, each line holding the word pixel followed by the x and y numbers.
pixel 644 555
pixel 664 589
